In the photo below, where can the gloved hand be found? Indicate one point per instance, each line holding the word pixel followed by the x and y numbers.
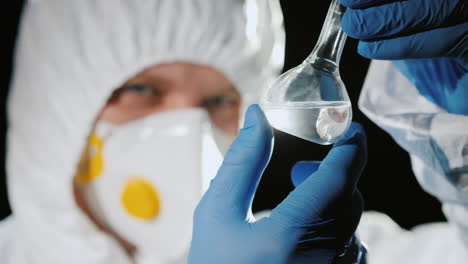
pixel 312 224
pixel 406 29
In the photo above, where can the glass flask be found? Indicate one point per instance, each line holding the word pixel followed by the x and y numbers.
pixel 310 101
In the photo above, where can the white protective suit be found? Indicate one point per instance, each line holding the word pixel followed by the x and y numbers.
pixel 70 57
pixel 438 145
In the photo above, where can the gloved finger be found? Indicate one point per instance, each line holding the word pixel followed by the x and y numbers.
pixel 231 191
pixel 441 42
pixel 302 170
pixel 336 178
pixel 361 3
pixel 402 17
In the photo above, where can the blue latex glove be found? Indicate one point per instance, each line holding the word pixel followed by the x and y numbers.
pixel 405 29
pixel 312 224
pixel 442 81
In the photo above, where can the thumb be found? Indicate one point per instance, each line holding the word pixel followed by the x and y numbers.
pixel 232 190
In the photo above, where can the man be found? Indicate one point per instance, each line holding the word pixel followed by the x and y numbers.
pixel 163 67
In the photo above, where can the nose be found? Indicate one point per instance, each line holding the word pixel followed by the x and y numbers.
pixel 181 100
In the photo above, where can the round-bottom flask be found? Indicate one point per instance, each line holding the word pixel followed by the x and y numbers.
pixel 310 101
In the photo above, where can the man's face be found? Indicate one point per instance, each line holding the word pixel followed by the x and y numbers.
pixel 175 86
pixel 162 88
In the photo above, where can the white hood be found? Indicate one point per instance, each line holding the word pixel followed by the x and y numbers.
pixel 70 57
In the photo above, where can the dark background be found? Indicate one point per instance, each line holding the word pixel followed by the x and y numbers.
pixel 387 184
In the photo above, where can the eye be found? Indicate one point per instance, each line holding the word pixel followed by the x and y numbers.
pixel 141 89
pixel 220 101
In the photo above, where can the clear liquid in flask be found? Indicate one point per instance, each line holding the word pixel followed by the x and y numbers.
pixel 319 122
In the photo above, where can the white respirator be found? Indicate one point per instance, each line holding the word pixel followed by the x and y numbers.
pixel 143 179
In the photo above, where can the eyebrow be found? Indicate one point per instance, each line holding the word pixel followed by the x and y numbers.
pixel 159 81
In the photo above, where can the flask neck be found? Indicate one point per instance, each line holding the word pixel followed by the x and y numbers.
pixel 327 52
